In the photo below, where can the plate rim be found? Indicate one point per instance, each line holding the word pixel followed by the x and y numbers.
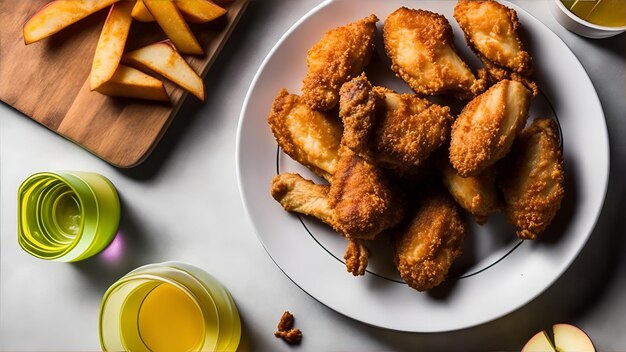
pixel 593 100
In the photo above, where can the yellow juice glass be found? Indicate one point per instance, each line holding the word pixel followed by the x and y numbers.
pixel 168 307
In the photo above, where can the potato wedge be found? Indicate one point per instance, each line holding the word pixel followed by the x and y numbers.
pixel 111 43
pixel 173 24
pixel 59 14
pixel 199 11
pixel 163 59
pixel 141 13
pixel 132 83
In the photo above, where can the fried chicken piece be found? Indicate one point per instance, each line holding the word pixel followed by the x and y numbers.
pixel 357 109
pixel 297 194
pixel 490 30
pixel 408 129
pixel 309 137
pixel 484 131
pixel 425 248
pixel 476 194
pixel 356 257
pixel 286 331
pixel 421 48
pixel 531 179
pixel 341 54
pixel 362 198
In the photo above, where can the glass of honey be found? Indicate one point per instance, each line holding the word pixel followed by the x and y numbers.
pixel 168 307
pixel 591 18
pixel 67 216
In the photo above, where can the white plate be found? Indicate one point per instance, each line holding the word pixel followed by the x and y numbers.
pixel 500 273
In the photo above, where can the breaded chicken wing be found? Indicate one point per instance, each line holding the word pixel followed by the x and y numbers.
pixel 531 179
pixel 297 194
pixel 309 137
pixel 476 194
pixel 362 197
pixel 490 29
pixel 421 48
pixel 408 129
pixel 425 248
pixel 357 109
pixel 341 54
pixel 484 131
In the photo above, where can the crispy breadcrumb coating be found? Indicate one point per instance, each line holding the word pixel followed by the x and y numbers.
pixel 408 129
pixel 356 257
pixel 420 45
pixel 484 131
pixel 357 109
pixel 309 137
pixel 362 197
pixel 531 179
pixel 425 247
pixel 341 54
pixel 286 331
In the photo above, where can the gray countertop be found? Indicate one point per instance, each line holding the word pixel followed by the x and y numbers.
pixel 183 204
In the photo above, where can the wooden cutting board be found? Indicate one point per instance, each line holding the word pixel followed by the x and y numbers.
pixel 48 81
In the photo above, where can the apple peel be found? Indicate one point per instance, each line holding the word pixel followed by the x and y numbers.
pixel 567 338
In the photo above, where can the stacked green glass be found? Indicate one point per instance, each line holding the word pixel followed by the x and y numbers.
pixel 67 216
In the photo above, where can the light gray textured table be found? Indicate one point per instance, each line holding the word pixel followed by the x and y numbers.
pixel 183 204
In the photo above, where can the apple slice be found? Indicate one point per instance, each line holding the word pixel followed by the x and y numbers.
pixel 539 343
pixel 111 43
pixel 141 13
pixel 59 14
pixel 173 24
pixel 163 59
pixel 199 11
pixel 570 338
pixel 132 83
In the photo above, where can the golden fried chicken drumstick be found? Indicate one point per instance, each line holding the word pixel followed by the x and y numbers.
pixel 309 137
pixel 357 109
pixel 425 248
pixel 421 48
pixel 341 54
pixel 362 197
pixel 484 131
pixel 531 179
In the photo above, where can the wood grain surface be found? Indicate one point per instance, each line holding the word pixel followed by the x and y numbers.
pixel 48 81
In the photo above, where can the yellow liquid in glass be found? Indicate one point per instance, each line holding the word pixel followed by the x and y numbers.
pixel 67 215
pixel 609 13
pixel 169 320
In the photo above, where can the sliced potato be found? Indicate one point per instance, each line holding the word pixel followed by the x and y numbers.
pixel 141 13
pixel 111 43
pixel 173 24
pixel 199 11
pixel 59 14
pixel 163 59
pixel 132 83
